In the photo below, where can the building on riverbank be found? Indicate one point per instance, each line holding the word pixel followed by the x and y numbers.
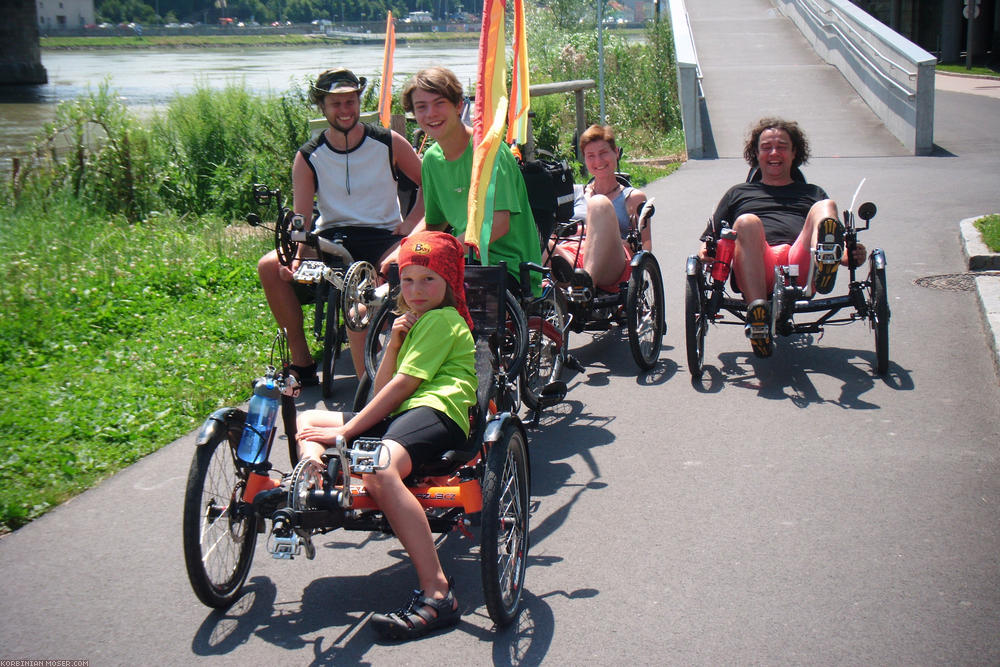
pixel 55 15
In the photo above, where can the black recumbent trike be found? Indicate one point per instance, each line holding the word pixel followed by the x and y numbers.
pixel 708 300
pixel 230 500
pixel 345 292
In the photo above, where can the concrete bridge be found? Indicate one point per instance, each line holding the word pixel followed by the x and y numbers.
pixel 20 54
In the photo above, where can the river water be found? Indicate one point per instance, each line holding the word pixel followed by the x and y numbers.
pixel 147 79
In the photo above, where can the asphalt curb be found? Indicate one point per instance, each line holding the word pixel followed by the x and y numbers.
pixel 980 258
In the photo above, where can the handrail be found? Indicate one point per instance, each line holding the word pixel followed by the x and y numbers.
pixel 697 61
pixel 895 65
pixel 850 44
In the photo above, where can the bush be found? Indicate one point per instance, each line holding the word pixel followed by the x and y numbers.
pixel 201 155
pixel 640 85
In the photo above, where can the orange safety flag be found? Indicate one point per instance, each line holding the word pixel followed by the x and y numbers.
pixel 520 100
pixel 385 90
pixel 483 187
pixel 492 83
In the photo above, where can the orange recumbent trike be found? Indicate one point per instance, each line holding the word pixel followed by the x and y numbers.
pixel 232 493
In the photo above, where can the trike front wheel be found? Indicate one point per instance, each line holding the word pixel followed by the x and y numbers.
pixel 219 540
pixel 696 327
pixel 543 364
pixel 645 313
pixel 504 549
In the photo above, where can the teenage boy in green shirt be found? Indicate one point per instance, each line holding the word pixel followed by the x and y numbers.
pixel 434 96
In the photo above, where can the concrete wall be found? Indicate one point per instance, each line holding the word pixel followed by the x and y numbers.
pixel 20 55
pixel 689 91
pixel 891 74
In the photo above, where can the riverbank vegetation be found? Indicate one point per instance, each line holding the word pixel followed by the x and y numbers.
pixel 132 306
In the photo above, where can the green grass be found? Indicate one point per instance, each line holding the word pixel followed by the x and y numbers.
pixel 989 227
pixel 960 69
pixel 117 339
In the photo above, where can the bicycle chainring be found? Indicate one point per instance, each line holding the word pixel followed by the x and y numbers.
pixel 307 476
pixel 358 292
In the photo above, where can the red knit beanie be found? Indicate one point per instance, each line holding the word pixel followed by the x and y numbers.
pixel 444 255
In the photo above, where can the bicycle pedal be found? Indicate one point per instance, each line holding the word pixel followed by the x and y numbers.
pixel 829 253
pixel 573 364
pixel 310 272
pixel 287 547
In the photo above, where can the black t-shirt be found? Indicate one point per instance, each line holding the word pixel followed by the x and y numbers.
pixel 781 208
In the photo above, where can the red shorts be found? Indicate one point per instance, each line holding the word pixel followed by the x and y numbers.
pixel 787 255
pixel 573 245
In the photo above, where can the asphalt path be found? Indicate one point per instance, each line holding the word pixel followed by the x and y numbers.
pixel 795 510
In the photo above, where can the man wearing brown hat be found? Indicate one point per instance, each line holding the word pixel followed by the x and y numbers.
pixel 350 170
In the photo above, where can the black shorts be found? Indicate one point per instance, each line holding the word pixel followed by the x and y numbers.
pixel 425 433
pixel 364 243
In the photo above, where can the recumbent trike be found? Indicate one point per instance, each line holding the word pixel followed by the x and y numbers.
pixel 638 304
pixel 707 298
pixel 232 494
pixel 346 292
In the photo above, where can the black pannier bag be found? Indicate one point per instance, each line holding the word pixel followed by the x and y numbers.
pixel 550 192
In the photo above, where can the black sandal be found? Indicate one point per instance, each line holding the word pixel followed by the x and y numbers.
pixel 307 375
pixel 420 616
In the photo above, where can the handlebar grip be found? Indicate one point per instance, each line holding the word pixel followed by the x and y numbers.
pixel 526 269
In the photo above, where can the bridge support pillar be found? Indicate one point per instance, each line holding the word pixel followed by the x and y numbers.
pixel 20 53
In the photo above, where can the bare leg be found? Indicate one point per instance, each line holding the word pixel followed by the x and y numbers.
pixel 285 307
pixel 603 255
pixel 408 519
pixel 802 251
pixel 357 341
pixel 308 448
pixel 748 260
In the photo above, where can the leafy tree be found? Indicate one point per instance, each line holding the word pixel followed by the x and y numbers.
pixel 300 11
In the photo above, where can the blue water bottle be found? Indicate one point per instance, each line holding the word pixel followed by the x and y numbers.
pixel 259 428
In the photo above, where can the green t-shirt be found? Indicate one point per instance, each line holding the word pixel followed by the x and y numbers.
pixel 439 350
pixel 446 200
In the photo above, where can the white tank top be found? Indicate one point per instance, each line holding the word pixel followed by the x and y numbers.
pixel 355 188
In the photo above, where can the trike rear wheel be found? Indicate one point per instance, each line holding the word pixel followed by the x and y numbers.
pixel 219 541
pixel 504 548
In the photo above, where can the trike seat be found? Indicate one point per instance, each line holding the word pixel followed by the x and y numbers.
pixel 484 288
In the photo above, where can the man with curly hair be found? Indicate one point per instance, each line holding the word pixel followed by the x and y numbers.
pixel 779 220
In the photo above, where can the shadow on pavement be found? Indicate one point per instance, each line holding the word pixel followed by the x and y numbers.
pixel 788 374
